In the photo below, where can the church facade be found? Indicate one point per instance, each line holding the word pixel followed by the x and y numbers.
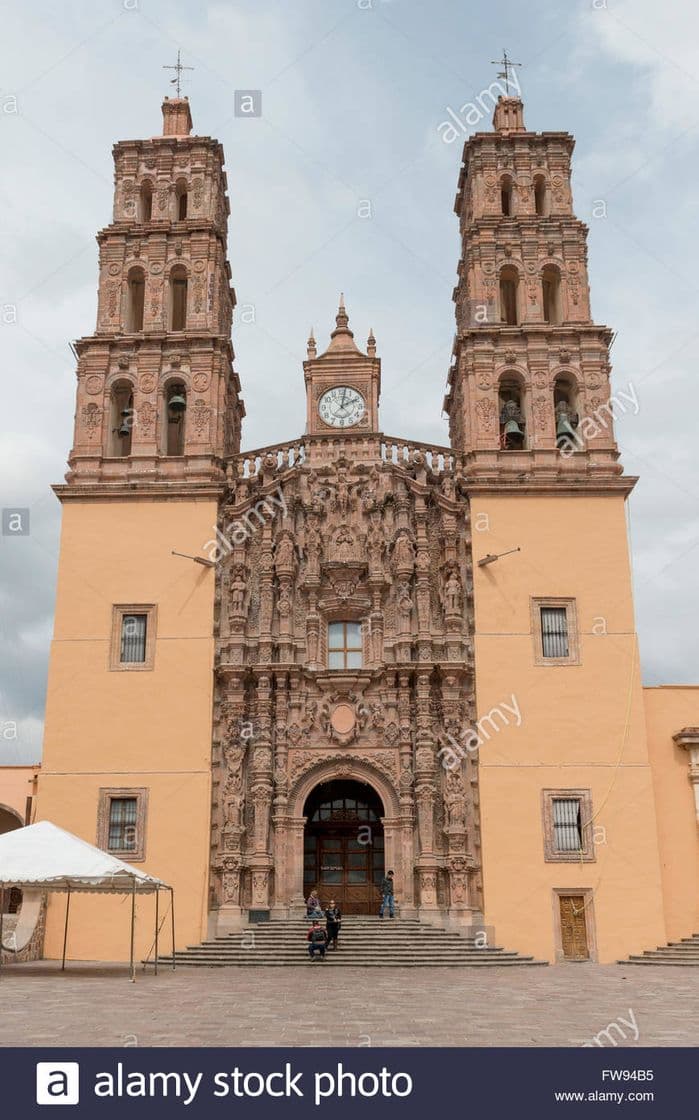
pixel 299 666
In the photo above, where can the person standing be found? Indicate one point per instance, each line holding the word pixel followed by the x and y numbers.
pixel 317 941
pixel 333 918
pixel 387 896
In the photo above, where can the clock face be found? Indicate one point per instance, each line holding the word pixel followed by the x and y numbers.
pixel 341 407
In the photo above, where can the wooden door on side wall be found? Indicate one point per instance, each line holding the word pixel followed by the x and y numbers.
pixel 574 927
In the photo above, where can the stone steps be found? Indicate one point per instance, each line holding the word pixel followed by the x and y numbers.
pixel 365 942
pixel 684 953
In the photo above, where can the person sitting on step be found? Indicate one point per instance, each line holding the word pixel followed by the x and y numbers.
pixel 313 907
pixel 317 941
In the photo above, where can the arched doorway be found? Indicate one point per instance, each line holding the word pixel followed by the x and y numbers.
pixel 343 846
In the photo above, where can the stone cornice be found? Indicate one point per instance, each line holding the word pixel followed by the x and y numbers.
pixel 141 491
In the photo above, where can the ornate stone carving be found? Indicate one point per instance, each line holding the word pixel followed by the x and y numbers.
pixel 91 418
pixel 486 413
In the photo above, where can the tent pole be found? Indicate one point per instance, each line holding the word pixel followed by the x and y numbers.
pixel 133 928
pixel 157 901
pixel 2 911
pixel 172 923
pixel 65 930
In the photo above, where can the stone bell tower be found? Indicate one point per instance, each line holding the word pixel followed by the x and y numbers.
pixel 129 705
pixel 532 416
pixel 529 363
pixel 158 401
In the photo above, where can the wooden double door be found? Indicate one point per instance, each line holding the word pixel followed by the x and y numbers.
pixel 344 847
pixel 574 941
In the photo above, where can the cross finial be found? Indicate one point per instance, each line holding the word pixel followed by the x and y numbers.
pixel 178 68
pixel 507 72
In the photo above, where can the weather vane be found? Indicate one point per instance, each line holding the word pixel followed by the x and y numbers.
pixel 507 66
pixel 179 68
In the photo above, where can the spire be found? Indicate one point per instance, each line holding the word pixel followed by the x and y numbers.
pixel 311 345
pixel 371 344
pixel 177 119
pixel 509 110
pixel 342 337
pixel 509 115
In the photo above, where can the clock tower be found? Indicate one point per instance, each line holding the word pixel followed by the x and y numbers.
pixel 343 384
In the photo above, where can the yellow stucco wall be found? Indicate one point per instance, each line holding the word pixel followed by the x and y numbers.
pixel 669 709
pixel 582 725
pixel 132 728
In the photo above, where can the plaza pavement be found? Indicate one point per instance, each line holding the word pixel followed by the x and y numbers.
pixel 314 1005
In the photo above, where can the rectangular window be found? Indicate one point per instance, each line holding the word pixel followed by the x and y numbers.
pixel 555 632
pixel 133 636
pixel 344 645
pixel 121 822
pixel 567 825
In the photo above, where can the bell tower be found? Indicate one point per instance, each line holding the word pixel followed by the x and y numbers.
pixel 130 692
pixel 529 363
pixel 531 418
pixel 158 402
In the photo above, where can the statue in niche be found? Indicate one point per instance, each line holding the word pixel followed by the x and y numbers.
pixel 455 800
pixel 403 552
pixel 448 487
pixel 344 545
pixel 284 554
pixel 238 588
pixel 309 716
pixel 314 547
pixel 405 607
pixel 375 548
pixel 452 593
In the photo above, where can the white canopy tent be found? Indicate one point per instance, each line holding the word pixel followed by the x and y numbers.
pixel 44 857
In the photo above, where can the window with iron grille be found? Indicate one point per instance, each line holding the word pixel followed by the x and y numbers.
pixel 121 821
pixel 134 628
pixel 123 813
pixel 567 825
pixel 554 632
pixel 133 636
pixel 344 645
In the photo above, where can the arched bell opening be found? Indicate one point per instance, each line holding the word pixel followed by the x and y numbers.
pixel 343 845
pixel 507 196
pixel 174 418
pixel 566 414
pixel 541 202
pixel 551 295
pixel 509 296
pixel 513 427
pixel 121 419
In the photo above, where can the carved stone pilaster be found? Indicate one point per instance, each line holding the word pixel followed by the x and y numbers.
pixel 688 738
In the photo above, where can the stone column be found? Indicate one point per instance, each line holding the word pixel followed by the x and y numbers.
pixel 297 902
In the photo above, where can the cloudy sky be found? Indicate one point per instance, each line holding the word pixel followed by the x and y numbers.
pixel 353 92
